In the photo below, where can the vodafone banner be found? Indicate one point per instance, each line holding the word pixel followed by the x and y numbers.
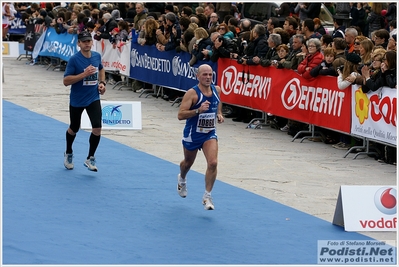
pixel 285 93
pixel 114 59
pixel 374 114
pixel 366 208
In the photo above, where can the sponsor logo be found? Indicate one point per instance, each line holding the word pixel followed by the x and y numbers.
pixel 112 115
pixel 385 200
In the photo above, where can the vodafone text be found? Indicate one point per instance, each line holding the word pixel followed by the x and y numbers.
pixel 381 223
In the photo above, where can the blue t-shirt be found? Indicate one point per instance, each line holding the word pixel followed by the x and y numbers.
pixel 84 92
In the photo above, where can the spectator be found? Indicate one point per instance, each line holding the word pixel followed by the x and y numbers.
pixel 188 36
pixel 175 33
pixel 245 30
pixel 358 15
pixel 318 27
pixel 123 34
pixel 381 37
pixel 326 66
pixel 392 43
pixel 371 75
pixel 298 10
pixel 339 28
pixel 292 61
pixel 109 25
pixel 222 47
pixel 273 42
pixel 388 68
pixel 392 27
pixel 285 36
pixel 375 20
pixel 140 14
pixel 312 10
pixel 149 32
pixel 225 31
pixel 116 15
pixel 391 12
pixel 60 21
pixel 130 13
pixel 283 11
pixel 366 48
pixel 203 42
pixel 290 25
pixel 350 36
pixel 257 48
pixel 357 42
pixel 223 9
pixel 186 12
pixel 308 29
pixel 339 46
pixel 208 10
pixel 213 23
pixel 272 23
pixel 326 41
pixel 313 59
pixel 282 52
pixel 350 70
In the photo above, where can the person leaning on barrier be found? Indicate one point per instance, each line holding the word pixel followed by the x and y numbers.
pixel 273 41
pixel 313 59
pixel 326 66
pixel 201 47
pixel 292 61
pixel 371 75
pixel 109 25
pixel 222 47
pixel 175 33
pixel 257 47
pixel 339 46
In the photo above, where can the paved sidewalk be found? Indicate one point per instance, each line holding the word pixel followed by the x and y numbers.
pixel 306 176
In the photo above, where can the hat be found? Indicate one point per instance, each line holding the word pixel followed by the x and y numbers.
pixel 394 37
pixel 353 57
pixel 169 8
pixel 115 29
pixel 43 13
pixel 84 36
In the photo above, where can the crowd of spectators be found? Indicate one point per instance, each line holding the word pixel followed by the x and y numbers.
pixel 363 52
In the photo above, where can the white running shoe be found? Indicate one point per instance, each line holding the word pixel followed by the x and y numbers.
pixel 207 202
pixel 68 161
pixel 181 187
pixel 91 164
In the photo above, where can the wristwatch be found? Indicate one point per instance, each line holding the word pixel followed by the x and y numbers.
pixel 103 82
pixel 197 111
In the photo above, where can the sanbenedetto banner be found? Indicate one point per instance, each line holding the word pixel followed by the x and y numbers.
pixel 374 114
pixel 117 115
pixel 285 93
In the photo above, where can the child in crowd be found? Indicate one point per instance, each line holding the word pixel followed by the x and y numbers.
pixel 326 66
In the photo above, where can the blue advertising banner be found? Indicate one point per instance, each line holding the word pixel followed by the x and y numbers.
pixel 168 68
pixel 62 45
pixel 17 25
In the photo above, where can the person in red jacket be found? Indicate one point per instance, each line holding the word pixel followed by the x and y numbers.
pixel 312 60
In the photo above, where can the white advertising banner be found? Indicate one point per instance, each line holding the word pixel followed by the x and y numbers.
pixel 117 115
pixel 114 59
pixel 374 114
pixel 366 208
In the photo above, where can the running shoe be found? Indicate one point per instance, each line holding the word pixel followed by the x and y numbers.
pixel 208 203
pixel 181 187
pixel 68 161
pixel 91 164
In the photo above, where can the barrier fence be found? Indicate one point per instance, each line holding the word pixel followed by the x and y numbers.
pixel 281 92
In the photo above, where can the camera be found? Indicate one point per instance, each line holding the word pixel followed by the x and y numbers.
pixel 274 62
pixel 244 43
pixel 220 38
pixel 240 60
pixel 340 68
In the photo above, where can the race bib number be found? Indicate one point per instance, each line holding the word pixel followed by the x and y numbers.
pixel 206 122
pixel 91 80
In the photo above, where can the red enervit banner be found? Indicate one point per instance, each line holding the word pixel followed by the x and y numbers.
pixel 286 94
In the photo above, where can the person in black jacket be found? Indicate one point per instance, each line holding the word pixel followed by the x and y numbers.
pixel 109 25
pixel 257 47
pixel 222 47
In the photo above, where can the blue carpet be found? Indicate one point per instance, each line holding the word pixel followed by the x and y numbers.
pixel 129 212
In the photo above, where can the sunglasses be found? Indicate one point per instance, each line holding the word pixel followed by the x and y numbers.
pixel 222 28
pixel 357 43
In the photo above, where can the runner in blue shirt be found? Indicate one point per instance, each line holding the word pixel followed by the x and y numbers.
pixel 201 108
pixel 86 75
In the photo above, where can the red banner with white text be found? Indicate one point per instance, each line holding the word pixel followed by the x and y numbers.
pixel 286 94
